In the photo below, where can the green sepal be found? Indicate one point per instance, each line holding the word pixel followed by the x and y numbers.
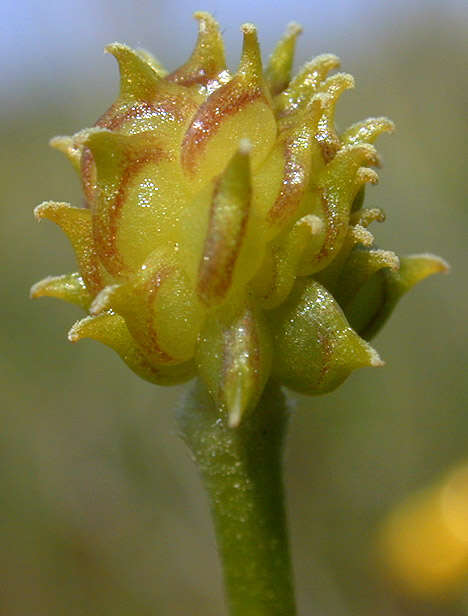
pixel 375 301
pixel 234 359
pixel 362 263
pixel 315 349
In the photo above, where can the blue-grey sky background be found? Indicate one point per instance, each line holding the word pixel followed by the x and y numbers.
pixel 61 42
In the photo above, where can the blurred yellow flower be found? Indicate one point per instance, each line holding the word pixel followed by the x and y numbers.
pixel 423 543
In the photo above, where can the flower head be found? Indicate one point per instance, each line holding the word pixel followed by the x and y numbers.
pixel 224 231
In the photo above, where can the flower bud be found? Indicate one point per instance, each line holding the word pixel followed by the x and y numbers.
pixel 223 232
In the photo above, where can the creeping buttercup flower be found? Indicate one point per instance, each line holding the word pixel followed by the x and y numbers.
pixel 224 233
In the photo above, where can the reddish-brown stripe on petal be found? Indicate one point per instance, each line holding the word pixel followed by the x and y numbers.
pixel 331 231
pixel 88 262
pixel 88 175
pixel 175 106
pixel 105 227
pixel 240 342
pixel 152 287
pixel 328 150
pixel 329 145
pixel 220 253
pixel 334 226
pixel 107 116
pixel 225 102
pixel 201 76
pixel 207 59
pixel 292 188
pixel 91 272
pixel 274 276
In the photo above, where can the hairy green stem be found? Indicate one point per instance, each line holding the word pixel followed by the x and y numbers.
pixel 241 471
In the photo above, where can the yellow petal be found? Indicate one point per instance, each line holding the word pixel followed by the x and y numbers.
pixel 160 308
pixel 281 182
pixel 240 109
pixel 366 216
pixel 356 236
pixel 326 136
pixel 69 287
pixel 274 281
pixel 367 131
pixel 337 186
pixel 152 61
pixel 278 71
pixel 305 84
pixel 110 329
pixel 76 223
pixel 207 59
pixel 138 78
pixel 67 146
pixel 140 198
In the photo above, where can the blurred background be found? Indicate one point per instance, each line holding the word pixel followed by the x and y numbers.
pixel 101 509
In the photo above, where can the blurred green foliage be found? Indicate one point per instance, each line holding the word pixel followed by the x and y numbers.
pixel 101 508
